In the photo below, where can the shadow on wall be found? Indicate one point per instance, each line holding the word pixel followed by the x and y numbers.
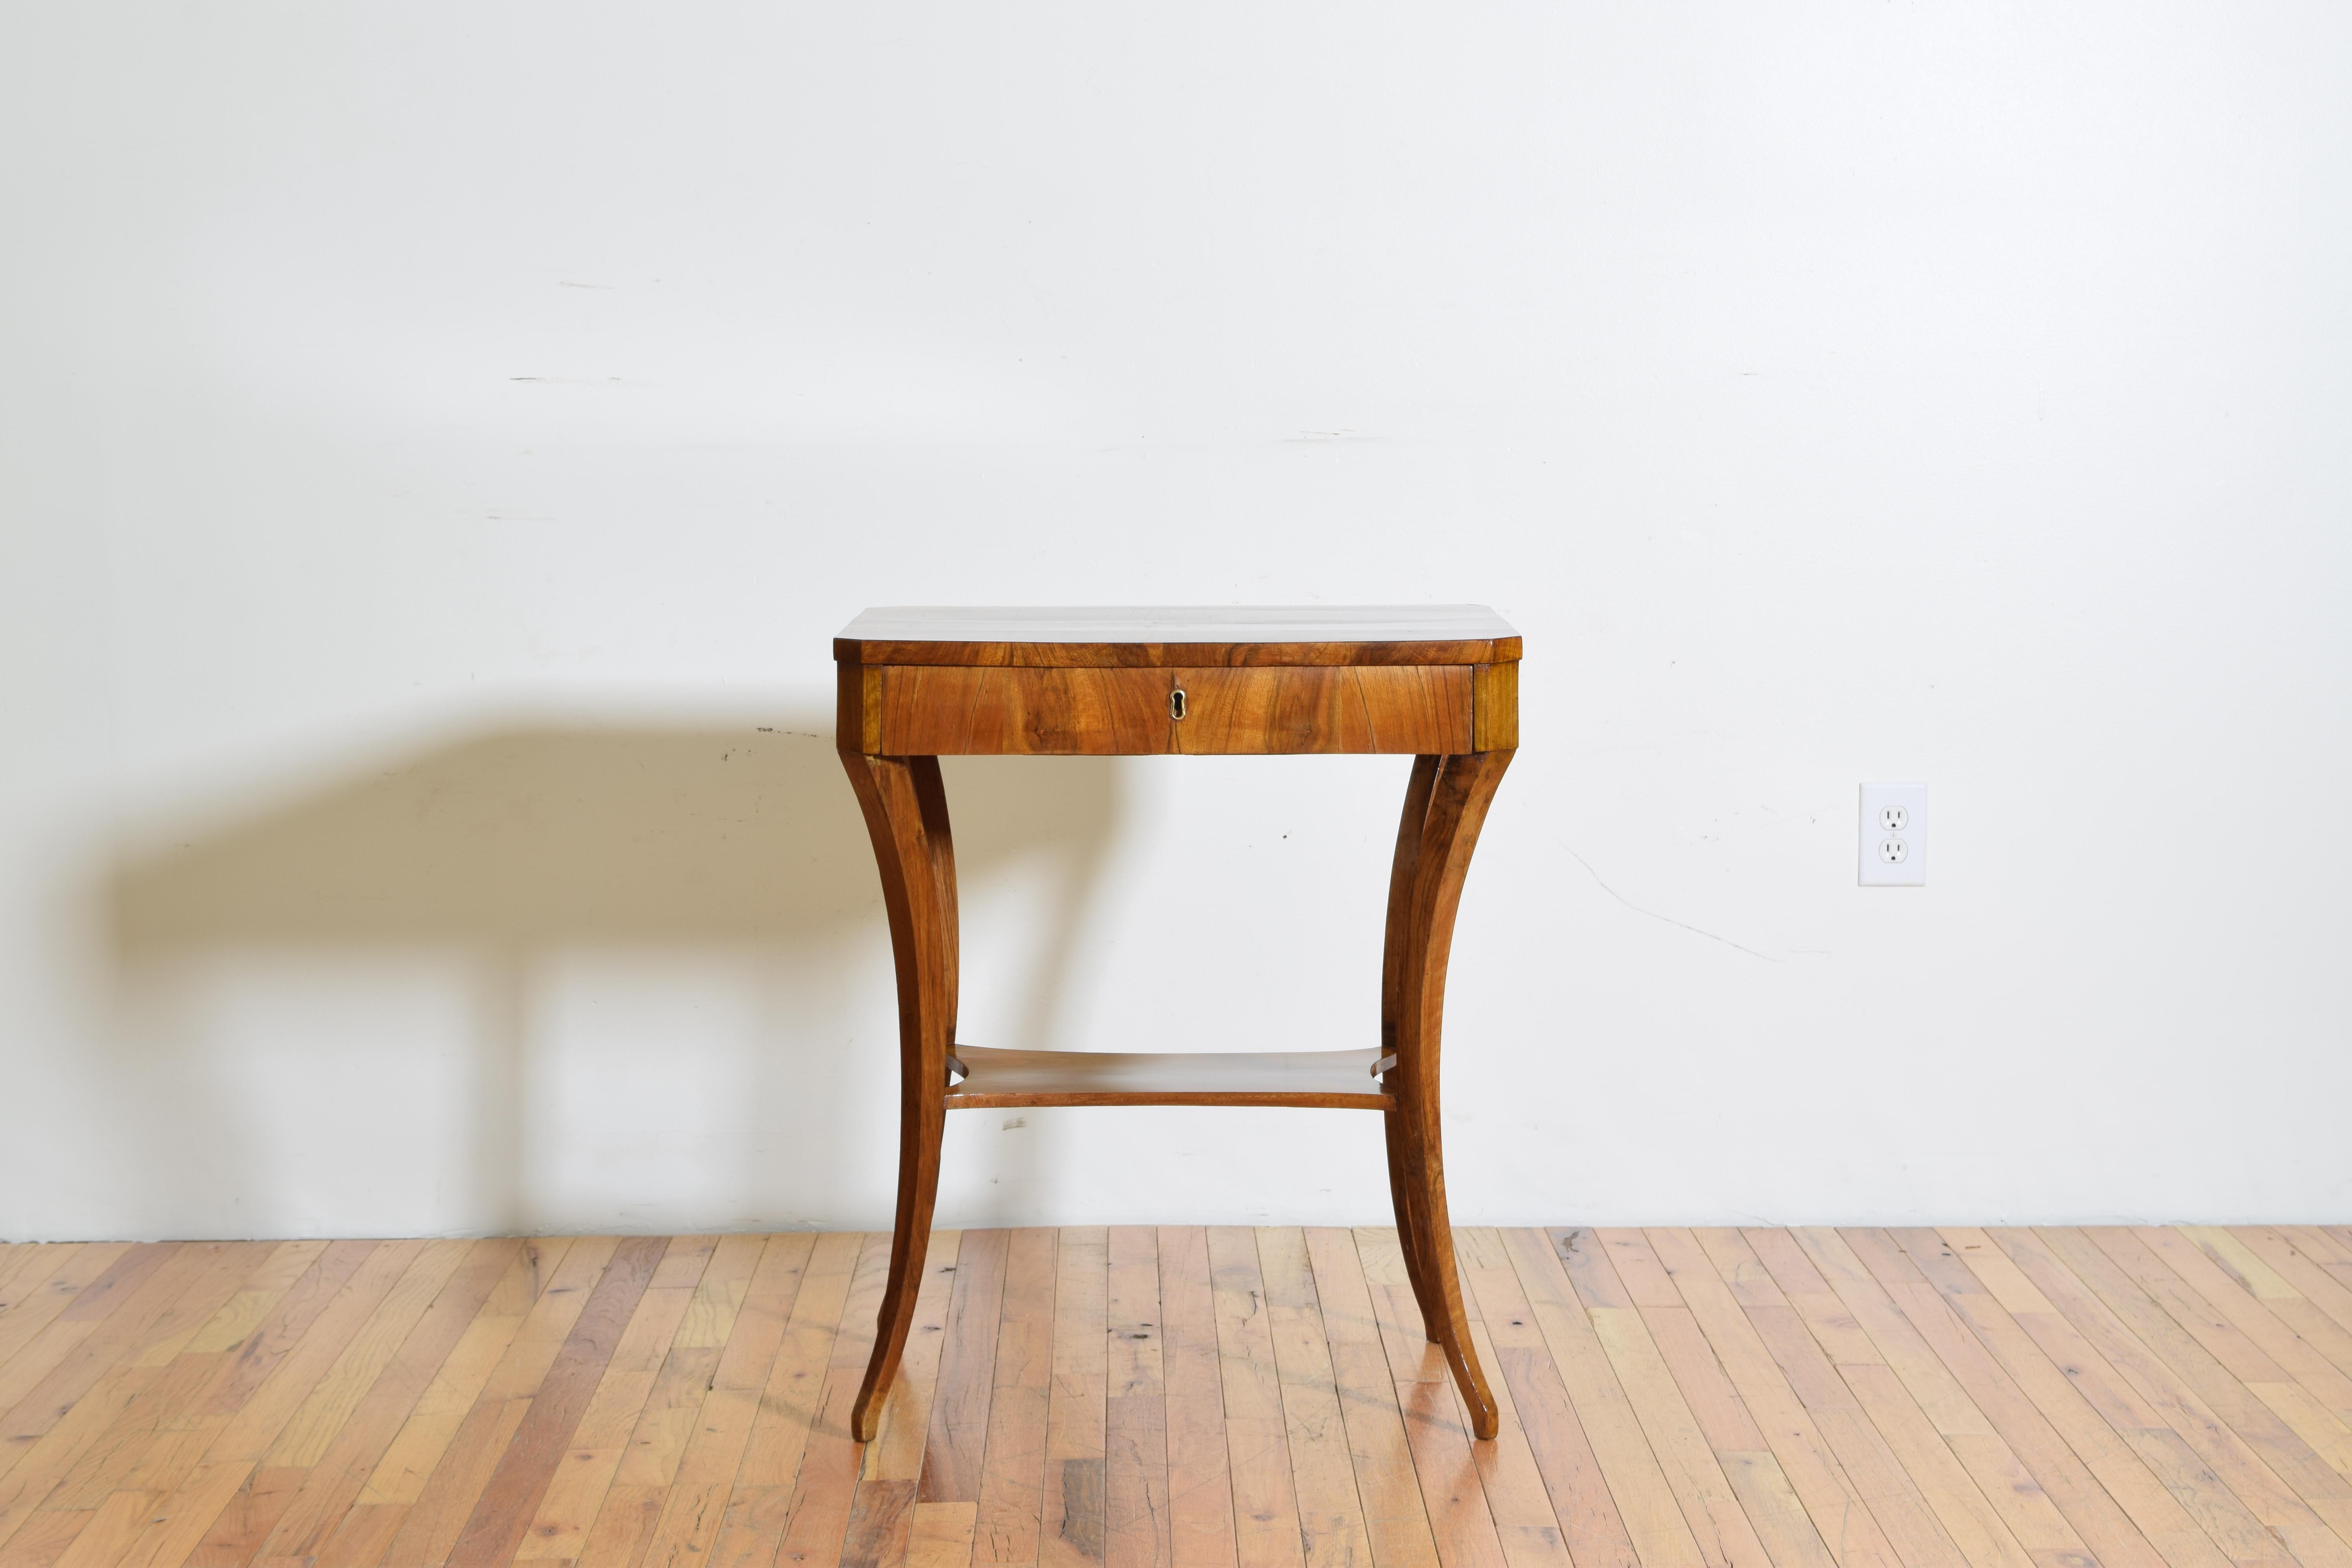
pixel 548 979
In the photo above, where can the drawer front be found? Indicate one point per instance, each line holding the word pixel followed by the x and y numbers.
pixel 1016 710
pixel 950 711
pixel 1417 709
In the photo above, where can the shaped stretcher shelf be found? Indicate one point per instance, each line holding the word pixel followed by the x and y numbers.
pixel 1337 1079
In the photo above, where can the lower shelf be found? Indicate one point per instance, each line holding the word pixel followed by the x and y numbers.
pixel 1332 1079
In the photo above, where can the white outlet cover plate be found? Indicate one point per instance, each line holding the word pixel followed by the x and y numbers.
pixel 1908 803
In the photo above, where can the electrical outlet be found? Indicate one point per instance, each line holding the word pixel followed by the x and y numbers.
pixel 1894 848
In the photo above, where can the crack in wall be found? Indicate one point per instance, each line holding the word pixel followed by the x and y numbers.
pixel 1655 915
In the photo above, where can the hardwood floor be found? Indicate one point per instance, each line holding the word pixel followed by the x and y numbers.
pixel 1219 1398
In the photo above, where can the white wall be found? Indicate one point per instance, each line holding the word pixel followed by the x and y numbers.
pixel 437 442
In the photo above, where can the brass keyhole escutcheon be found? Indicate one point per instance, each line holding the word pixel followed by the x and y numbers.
pixel 1176 703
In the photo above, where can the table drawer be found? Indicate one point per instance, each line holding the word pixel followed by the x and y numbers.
pixel 1416 710
pixel 1014 711
pixel 960 710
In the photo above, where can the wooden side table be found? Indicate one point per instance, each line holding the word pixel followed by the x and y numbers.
pixel 1437 683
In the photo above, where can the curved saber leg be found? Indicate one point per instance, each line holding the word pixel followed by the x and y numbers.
pixel 906 814
pixel 1459 797
pixel 1400 935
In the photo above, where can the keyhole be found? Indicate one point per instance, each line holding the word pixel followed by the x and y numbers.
pixel 1176 703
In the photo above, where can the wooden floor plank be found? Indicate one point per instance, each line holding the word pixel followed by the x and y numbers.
pixel 1135 1409
pixel 2213 1355
pixel 796 1377
pixel 63 1310
pixel 340 1470
pixel 2301 1253
pixel 2100 1356
pixel 1406 1432
pixel 1591 1528
pixel 44 1538
pixel 673 1403
pixel 1012 1460
pixel 2246 1447
pixel 439 1481
pixel 624 1527
pixel 242 1524
pixel 720 1294
pixel 1750 1468
pixel 114 1526
pixel 401 1470
pixel 251 1359
pixel 46 1283
pixel 1180 1397
pixel 1528 1529
pixel 1869 1465
pixel 1936 1449
pixel 366 1533
pixel 748 1324
pixel 159 1447
pixel 881 1521
pixel 1414 1357
pixel 634 1427
pixel 2329 1245
pixel 1070 1524
pixel 2267 1268
pixel 824 1496
pixel 494 1529
pixel 1727 1537
pixel 2005 1491
pixel 121 1280
pixel 263 1394
pixel 312 1428
pixel 943 1532
pixel 751 1527
pixel 2264 1461
pixel 1645 1501
pixel 1333 1527
pixel 2169 1496
pixel 691 1513
pixel 1456 1488
pixel 766 1314
pixel 175 1525
pixel 2106 1519
pixel 1267 1532
pixel 967 1376
pixel 15 1256
pixel 2116 1432
pixel 97 1383
pixel 1398 1518
pixel 161 1436
pixel 2238 1316
pixel 881 1517
pixel 1200 1484
pixel 119 1316
pixel 896 1452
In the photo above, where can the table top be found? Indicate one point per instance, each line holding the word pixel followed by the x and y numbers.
pixel 1144 635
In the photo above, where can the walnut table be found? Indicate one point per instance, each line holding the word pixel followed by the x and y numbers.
pixel 1438 683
